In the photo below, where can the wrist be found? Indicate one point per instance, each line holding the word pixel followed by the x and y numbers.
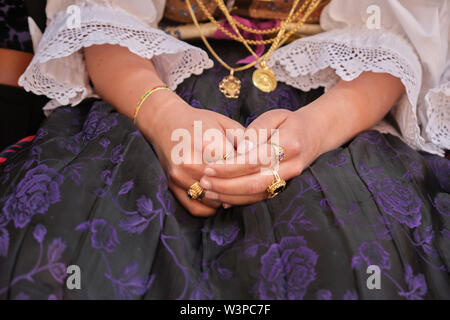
pixel 156 108
pixel 317 124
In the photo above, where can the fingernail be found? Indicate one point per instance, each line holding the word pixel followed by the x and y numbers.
pixel 210 172
pixel 245 146
pixel 226 206
pixel 205 184
pixel 211 195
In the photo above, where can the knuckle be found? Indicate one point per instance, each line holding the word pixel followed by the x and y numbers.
pixel 174 174
pixel 295 146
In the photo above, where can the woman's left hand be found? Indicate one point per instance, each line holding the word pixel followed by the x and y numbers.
pixel 299 133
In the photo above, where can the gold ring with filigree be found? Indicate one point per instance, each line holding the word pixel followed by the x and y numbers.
pixel 278 185
pixel 195 191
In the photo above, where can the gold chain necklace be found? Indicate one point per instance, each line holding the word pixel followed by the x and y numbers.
pixel 245 28
pixel 263 78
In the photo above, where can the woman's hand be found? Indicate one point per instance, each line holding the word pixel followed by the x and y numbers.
pixel 164 114
pixel 300 134
pixel 121 78
pixel 325 124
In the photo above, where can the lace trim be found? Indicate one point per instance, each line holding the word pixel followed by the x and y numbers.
pixel 322 59
pixel 437 106
pixel 58 69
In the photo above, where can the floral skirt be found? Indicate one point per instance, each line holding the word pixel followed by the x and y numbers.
pixel 90 195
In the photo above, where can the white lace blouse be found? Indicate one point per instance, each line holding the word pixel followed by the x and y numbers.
pixel 406 38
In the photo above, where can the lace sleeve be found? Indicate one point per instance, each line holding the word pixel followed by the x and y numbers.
pixel 411 44
pixel 58 69
pixel 323 59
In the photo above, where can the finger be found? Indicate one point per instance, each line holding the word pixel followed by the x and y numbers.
pixel 216 145
pixel 260 130
pixel 234 131
pixel 242 164
pixel 196 208
pixel 237 200
pixel 250 184
pixel 183 180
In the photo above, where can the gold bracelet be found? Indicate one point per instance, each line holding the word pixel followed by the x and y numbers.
pixel 144 97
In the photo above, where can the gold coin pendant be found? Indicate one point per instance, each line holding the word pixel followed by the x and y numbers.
pixel 264 79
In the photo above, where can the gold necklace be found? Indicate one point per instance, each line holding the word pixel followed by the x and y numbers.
pixel 245 28
pixel 263 78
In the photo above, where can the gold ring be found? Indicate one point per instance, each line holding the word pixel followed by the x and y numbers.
pixel 279 151
pixel 227 156
pixel 278 185
pixel 195 191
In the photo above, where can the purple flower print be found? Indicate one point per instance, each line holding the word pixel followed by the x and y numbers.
pixel 39 233
pixel 350 295
pixel 287 269
pixel 371 136
pixel 442 203
pixel 41 133
pixel 224 235
pixel 95 125
pixel 34 194
pixel 397 201
pixel 441 169
pixel 117 154
pixel 338 160
pixel 22 296
pixel 132 284
pixel 138 221
pixel 4 218
pixel 445 233
pixel 424 238
pixel 4 242
pixel 417 286
pixel 106 177
pixel 54 253
pixel 374 254
pixel 104 143
pixel 55 250
pixel 104 235
pixel 145 207
pixel 324 295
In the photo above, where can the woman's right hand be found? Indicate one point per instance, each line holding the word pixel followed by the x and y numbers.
pixel 163 113
pixel 121 77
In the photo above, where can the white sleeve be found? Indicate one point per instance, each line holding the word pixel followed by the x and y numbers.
pixel 406 38
pixel 58 69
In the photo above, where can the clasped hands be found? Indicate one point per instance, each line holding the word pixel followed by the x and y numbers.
pixel 239 180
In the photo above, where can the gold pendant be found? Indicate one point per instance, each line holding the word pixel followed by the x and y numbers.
pixel 230 86
pixel 264 79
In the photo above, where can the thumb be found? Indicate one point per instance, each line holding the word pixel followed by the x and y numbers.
pixel 260 129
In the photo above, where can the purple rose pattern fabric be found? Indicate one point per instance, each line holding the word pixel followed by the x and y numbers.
pixel 14 33
pixel 90 191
